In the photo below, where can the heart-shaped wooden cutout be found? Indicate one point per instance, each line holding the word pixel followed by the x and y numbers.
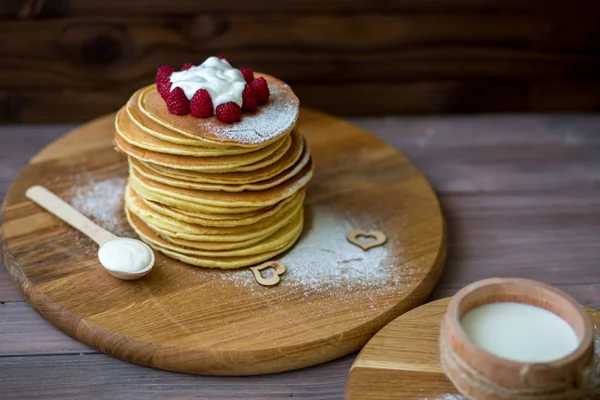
pixel 354 234
pixel 273 280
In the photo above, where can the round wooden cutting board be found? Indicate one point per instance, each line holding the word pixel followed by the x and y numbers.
pixel 402 360
pixel 332 299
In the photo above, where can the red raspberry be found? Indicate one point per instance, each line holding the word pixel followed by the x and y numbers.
pixel 164 88
pixel 177 103
pixel 163 74
pixel 201 105
pixel 186 66
pixel 229 112
pixel 248 74
pixel 261 90
pixel 248 99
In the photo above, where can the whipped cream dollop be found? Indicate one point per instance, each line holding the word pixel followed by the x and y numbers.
pixel 223 82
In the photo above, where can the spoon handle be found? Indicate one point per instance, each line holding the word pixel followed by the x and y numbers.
pixel 57 206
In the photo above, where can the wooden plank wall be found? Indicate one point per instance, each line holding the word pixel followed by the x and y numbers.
pixel 71 60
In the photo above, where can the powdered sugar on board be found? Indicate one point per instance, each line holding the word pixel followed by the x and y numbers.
pixel 268 122
pixel 102 202
pixel 322 261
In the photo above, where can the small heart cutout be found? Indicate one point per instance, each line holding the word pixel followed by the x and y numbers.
pixel 354 234
pixel 272 280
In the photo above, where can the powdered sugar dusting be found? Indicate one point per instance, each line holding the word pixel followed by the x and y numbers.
pixel 324 258
pixel 270 121
pixel 324 261
pixel 102 202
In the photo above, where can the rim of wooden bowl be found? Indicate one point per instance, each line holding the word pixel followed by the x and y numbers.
pixel 570 311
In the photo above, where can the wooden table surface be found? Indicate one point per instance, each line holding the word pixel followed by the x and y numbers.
pixel 521 194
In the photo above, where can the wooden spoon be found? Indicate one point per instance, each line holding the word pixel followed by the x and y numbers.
pixel 55 205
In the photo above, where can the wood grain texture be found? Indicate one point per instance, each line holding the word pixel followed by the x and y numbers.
pixel 17 319
pixel 351 98
pixel 25 332
pixel 73 377
pixel 588 294
pixel 547 237
pixel 475 131
pixel 509 154
pixel 83 7
pixel 402 360
pixel 59 61
pixel 89 53
pixel 8 291
pixel 358 98
pixel 100 377
pixel 239 329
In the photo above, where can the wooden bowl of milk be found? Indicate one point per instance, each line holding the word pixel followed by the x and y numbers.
pixel 505 338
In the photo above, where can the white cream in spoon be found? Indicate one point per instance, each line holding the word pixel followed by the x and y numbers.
pixel 123 258
pixel 125 255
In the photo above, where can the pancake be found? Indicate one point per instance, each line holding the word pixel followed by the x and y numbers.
pixel 156 176
pixel 242 162
pixel 214 212
pixel 135 136
pixel 163 133
pixel 275 241
pixel 286 162
pixel 194 218
pixel 216 219
pixel 272 120
pixel 212 246
pixel 171 233
pixel 214 262
pixel 156 219
pixel 203 245
pixel 219 202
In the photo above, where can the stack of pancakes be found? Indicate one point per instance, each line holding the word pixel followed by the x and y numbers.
pixel 211 194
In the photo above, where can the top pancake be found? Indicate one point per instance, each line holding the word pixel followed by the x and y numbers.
pixel 271 121
pixel 154 128
pixel 135 135
pixel 162 134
